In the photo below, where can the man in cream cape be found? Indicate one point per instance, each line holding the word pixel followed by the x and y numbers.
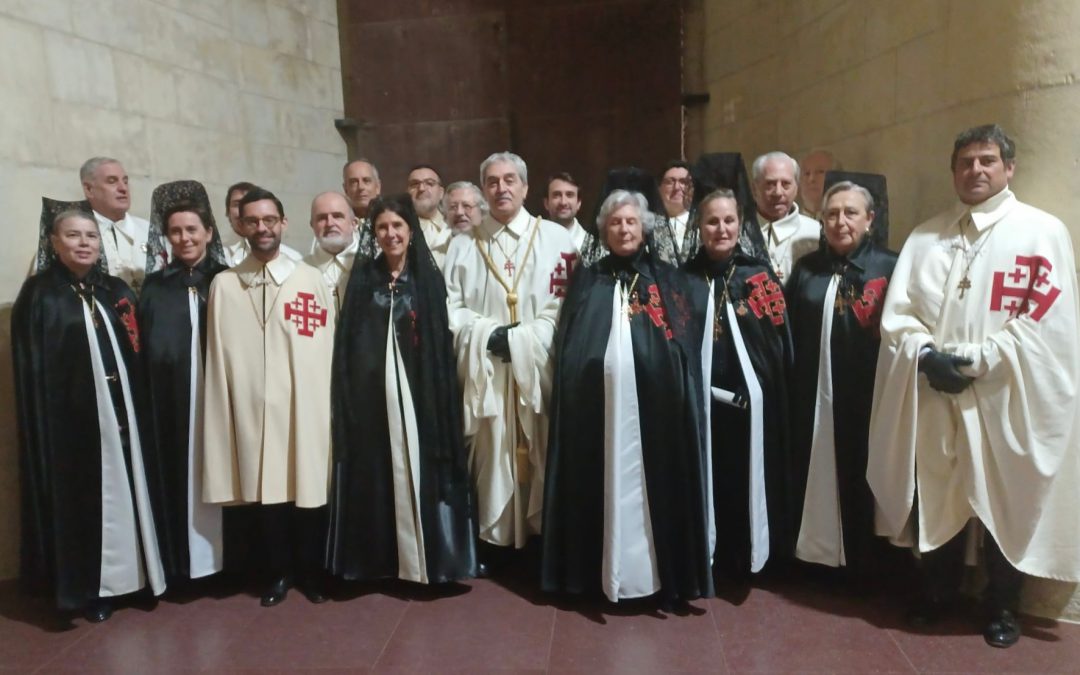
pixel 974 424
pixel 266 432
pixel 504 348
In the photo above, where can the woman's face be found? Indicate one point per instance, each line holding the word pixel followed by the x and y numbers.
pixel 846 221
pixel 392 234
pixel 720 228
pixel 624 231
pixel 188 237
pixel 77 243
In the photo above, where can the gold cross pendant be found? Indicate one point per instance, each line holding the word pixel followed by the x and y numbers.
pixel 965 284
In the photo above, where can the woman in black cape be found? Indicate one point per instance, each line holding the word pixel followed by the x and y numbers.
pixel 625 500
pixel 401 502
pixel 87 469
pixel 846 280
pixel 746 357
pixel 172 320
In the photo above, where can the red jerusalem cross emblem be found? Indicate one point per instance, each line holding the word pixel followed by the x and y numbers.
pixel 560 276
pixel 305 314
pixel 766 298
pixel 1027 287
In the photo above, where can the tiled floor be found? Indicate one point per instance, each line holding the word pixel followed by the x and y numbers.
pixel 504 625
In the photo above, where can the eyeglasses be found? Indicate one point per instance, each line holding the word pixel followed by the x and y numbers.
pixel 428 183
pixel 253 222
pixel 464 206
pixel 668 182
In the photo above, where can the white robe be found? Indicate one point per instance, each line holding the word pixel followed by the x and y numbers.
pixel 509 509
pixel 437 234
pixel 578 235
pixel 1004 450
pixel 266 431
pixel 335 268
pixel 124 245
pixel 238 251
pixel 789 239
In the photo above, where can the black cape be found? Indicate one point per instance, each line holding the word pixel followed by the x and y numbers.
pixel 669 395
pixel 165 325
pixel 59 437
pixel 767 338
pixel 363 535
pixel 854 351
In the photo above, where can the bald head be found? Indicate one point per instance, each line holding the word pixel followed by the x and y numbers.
pixel 332 221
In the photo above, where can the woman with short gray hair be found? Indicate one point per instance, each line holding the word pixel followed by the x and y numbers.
pixel 625 417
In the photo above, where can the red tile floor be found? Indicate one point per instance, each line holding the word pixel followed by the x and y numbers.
pixel 505 625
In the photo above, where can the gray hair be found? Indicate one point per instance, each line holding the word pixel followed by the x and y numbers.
pixel 620 198
pixel 90 167
pixel 68 214
pixel 348 204
pixel 758 168
pixel 506 156
pixel 481 203
pixel 845 186
pixel 374 169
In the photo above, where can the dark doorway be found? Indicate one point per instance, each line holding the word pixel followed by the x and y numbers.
pixel 570 85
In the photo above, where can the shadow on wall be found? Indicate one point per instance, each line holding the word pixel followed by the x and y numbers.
pixel 9 455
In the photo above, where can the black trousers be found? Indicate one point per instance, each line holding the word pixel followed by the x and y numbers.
pixel 943 569
pixel 294 541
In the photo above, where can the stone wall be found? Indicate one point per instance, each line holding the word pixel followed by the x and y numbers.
pixel 886 85
pixel 215 90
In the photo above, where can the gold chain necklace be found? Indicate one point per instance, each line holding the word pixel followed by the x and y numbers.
pixel 511 291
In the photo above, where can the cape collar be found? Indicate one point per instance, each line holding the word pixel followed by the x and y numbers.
pixel 320 257
pixel 518 225
pixel 124 225
pixel 278 269
pixel 989 212
pixel 783 228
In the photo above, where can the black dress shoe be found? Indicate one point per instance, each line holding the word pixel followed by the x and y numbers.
pixel 1003 630
pixel 97 611
pixel 276 593
pixel 314 591
pixel 482 570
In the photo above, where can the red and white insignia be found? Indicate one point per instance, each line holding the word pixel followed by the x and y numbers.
pixel 766 298
pixel 1026 289
pixel 305 314
pixel 867 309
pixel 560 276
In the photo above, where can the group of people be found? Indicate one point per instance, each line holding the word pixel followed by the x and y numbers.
pixel 701 384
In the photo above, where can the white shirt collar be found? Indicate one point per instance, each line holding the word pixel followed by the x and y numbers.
pixel 278 269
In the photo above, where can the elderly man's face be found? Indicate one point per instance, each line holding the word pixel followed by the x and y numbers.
pixel 776 189
pixel 107 191
pixel 361 185
pixel 426 190
pixel 812 182
pixel 562 202
pixel 979 173
pixel 462 209
pixel 676 190
pixel 332 222
pixel 505 191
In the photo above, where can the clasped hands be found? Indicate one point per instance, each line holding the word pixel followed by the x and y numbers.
pixel 499 341
pixel 943 371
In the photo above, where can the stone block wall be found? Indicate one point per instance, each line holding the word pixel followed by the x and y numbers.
pixel 886 85
pixel 215 90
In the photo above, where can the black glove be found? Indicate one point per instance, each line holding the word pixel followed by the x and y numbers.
pixel 499 342
pixel 941 371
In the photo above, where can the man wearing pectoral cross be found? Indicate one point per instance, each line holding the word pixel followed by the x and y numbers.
pixel 266 433
pixel 975 418
pixel 505 283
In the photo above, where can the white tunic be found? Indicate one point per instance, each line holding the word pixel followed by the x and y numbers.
pixel 497 423
pixel 577 234
pixel 437 234
pixel 335 268
pixel 238 251
pixel 270 339
pixel 124 245
pixel 789 239
pixel 998 287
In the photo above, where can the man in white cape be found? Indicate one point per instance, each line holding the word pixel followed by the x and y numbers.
pixel 266 416
pixel 505 283
pixel 980 450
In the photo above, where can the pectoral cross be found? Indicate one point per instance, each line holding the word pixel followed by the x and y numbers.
pixel 509 267
pixel 965 284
